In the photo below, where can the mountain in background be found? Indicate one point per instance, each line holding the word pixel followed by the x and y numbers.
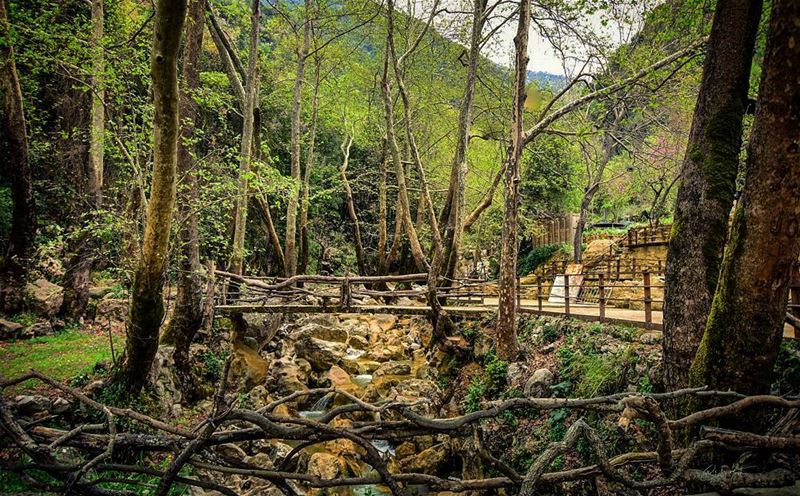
pixel 546 79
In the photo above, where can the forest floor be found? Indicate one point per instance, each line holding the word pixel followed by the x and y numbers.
pixel 66 355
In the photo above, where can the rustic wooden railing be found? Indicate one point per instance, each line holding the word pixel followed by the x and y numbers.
pixel 647 236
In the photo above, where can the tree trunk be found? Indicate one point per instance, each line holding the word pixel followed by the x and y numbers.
pixel 505 332
pixel 351 207
pixel 304 242
pixel 290 250
pixel 708 184
pixel 14 268
pixel 248 113
pixel 453 211
pixel 382 213
pixel 745 328
pixel 403 205
pixel 78 274
pixel 188 315
pixel 147 304
pixel 272 233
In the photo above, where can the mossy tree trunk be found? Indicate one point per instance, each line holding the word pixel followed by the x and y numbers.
pixel 78 274
pixel 147 304
pixel 290 243
pixel 505 331
pixel 246 150
pixel 305 247
pixel 14 146
pixel 188 315
pixel 745 328
pixel 707 187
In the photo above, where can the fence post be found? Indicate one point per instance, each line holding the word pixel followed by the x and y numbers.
pixel 648 308
pixel 660 267
pixel 344 294
pixel 566 294
pixel 618 262
pixel 539 292
pixel 601 284
pixel 519 293
pixel 630 237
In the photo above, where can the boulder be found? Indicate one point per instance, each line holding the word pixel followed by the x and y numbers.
pixel 341 379
pixel 323 332
pixel 30 404
pixel 44 297
pixel 38 329
pixel 428 461
pixel 320 354
pixel 51 266
pixel 9 330
pixel 287 376
pixel 261 327
pixel 539 383
pixel 324 466
pixel 358 342
pixel 516 374
pixel 393 368
pixel 112 308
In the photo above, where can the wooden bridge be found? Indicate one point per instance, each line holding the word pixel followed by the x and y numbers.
pixel 588 296
pixel 633 299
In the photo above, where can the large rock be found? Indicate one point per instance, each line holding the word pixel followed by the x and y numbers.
pixel 30 404
pixel 111 308
pixel 287 376
pixel 393 368
pixel 261 327
pixel 38 329
pixel 44 297
pixel 320 354
pixel 428 461
pixel 324 466
pixel 323 332
pixel 539 383
pixel 9 330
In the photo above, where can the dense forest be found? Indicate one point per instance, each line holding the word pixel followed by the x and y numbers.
pixel 437 247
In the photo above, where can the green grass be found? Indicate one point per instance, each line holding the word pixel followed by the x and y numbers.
pixel 61 356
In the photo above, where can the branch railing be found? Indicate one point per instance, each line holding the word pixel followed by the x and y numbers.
pixel 96 451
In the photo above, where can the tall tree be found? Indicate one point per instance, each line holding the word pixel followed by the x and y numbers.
pixel 312 139
pixel 147 304
pixel 77 276
pixel 290 244
pixel 14 268
pixel 245 154
pixel 188 314
pixel 351 207
pixel 505 330
pixel 453 211
pixel 745 328
pixel 707 187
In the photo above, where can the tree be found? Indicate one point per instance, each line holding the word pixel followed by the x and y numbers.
pixel 245 155
pixel 708 176
pixel 505 331
pixel 188 314
pixel 14 268
pixel 745 327
pixel 77 276
pixel 290 244
pixel 147 304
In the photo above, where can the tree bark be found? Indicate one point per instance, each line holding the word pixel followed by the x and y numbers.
pixel 248 113
pixel 505 331
pixel 272 233
pixel 304 242
pixel 453 211
pixel 290 250
pixel 708 184
pixel 351 207
pixel 745 328
pixel 147 304
pixel 188 315
pixel 14 268
pixel 78 274
pixel 403 206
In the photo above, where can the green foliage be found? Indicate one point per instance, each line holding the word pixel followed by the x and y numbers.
pixel 488 385
pixel 787 367
pixel 591 371
pixel 536 257
pixel 61 356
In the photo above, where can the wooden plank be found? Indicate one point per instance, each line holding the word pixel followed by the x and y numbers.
pixel 373 309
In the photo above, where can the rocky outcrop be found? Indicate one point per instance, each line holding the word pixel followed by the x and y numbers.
pixel 43 297
pixel 321 354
